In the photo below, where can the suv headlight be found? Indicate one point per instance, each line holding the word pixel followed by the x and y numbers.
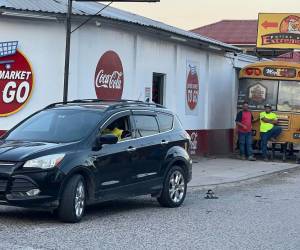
pixel 45 162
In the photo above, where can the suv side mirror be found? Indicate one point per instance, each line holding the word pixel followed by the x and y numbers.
pixel 106 139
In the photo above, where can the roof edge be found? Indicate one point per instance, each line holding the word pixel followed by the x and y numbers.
pixel 193 36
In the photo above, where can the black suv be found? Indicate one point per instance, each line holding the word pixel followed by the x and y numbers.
pixel 72 154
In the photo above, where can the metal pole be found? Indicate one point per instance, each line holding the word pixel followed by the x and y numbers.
pixel 67 51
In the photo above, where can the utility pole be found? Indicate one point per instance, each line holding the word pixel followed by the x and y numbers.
pixel 67 51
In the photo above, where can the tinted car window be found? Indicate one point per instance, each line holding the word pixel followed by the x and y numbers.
pixel 40 125
pixel 120 127
pixel 56 126
pixel 165 122
pixel 145 125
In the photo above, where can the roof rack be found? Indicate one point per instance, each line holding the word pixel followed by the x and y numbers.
pixel 119 103
pixel 135 103
pixel 52 105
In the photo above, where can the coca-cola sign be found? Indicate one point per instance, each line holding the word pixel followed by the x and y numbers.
pixel 192 86
pixel 109 77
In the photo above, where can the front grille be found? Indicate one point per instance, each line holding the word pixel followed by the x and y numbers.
pixel 283 123
pixel 21 185
pixel 3 185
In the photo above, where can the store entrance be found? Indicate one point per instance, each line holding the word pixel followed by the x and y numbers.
pixel 158 83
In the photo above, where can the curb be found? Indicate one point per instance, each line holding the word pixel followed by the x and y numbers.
pixel 242 181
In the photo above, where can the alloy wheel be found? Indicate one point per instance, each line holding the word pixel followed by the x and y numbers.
pixel 176 187
pixel 79 199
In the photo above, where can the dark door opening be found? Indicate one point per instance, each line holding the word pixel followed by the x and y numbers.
pixel 158 83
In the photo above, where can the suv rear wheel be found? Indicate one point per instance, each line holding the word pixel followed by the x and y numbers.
pixel 73 200
pixel 174 189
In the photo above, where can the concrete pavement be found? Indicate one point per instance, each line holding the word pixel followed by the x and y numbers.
pixel 209 172
pixel 262 215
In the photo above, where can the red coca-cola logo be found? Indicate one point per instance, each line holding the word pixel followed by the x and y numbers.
pixel 16 79
pixel 192 87
pixel 109 77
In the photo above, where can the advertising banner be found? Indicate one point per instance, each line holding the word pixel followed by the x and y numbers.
pixel 192 88
pixel 278 31
pixel 16 79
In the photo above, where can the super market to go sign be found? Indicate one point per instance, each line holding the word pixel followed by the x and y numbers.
pixel 16 83
pixel 13 91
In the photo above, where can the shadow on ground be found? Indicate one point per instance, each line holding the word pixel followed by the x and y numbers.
pixel 25 215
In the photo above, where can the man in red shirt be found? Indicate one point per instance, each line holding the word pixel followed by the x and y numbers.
pixel 244 121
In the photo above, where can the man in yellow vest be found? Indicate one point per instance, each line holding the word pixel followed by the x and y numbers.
pixel 268 129
pixel 116 131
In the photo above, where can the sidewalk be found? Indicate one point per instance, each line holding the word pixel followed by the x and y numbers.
pixel 212 172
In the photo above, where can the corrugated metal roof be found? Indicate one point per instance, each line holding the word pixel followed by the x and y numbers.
pixel 91 8
pixel 50 6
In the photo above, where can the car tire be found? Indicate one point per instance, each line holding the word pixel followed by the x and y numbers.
pixel 174 188
pixel 73 201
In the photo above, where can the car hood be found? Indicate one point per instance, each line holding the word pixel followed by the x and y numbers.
pixel 20 150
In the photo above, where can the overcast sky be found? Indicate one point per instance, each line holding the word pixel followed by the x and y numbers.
pixel 189 14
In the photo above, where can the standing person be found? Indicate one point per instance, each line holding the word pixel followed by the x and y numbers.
pixel 244 121
pixel 268 129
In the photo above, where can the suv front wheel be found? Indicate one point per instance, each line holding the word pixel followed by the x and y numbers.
pixel 73 200
pixel 174 188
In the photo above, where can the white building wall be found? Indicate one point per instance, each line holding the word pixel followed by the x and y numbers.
pixel 43 45
pixel 220 96
pixel 44 42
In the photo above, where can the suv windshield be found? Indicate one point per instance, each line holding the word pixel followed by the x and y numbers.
pixel 57 126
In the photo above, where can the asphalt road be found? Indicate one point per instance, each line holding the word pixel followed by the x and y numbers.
pixel 259 215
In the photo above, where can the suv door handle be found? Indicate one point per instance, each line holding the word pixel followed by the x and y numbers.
pixel 131 149
pixel 164 142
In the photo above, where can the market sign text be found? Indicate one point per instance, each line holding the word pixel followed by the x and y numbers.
pixel 16 79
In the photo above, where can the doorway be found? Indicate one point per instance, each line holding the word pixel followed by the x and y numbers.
pixel 158 86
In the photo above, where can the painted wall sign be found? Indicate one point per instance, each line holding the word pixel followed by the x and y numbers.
pixel 192 88
pixel 194 143
pixel 281 31
pixel 109 77
pixel 16 79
